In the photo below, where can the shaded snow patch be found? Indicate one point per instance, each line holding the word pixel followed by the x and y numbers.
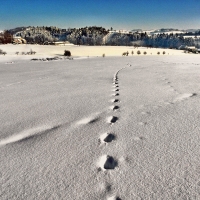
pixel 27 134
pixel 185 96
pixel 139 138
pixel 89 120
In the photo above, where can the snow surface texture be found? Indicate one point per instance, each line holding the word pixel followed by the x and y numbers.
pixel 49 51
pixel 100 128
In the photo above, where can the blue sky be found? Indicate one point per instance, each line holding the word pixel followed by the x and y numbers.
pixel 123 14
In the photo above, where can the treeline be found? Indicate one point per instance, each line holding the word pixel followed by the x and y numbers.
pixel 5 37
pixel 135 39
pixel 87 36
pixel 44 35
pixel 39 35
pixel 99 36
pixel 132 39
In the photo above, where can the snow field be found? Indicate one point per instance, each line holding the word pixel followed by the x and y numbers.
pixel 100 128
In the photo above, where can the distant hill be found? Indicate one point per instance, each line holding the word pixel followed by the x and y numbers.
pixel 40 35
pixel 192 30
pixel 164 37
pixel 137 30
pixel 166 31
pixel 15 30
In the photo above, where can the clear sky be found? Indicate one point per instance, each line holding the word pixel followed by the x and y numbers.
pixel 123 14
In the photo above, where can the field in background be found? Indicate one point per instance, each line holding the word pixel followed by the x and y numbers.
pixel 78 51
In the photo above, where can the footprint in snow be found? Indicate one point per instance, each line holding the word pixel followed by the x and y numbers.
pixel 114 198
pixel 107 138
pixel 115 82
pixel 107 162
pixel 114 108
pixel 112 119
pixel 139 138
pixel 185 96
pixel 145 113
pixel 142 123
pixel 117 94
pixel 115 100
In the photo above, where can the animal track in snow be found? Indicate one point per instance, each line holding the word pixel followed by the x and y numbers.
pixel 107 137
pixel 184 96
pixel 117 94
pixel 107 162
pixel 117 90
pixel 114 107
pixel 114 198
pixel 105 187
pixel 142 123
pixel 139 138
pixel 112 119
pixel 145 113
pixel 115 100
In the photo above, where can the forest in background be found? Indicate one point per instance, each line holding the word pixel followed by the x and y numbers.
pixel 95 36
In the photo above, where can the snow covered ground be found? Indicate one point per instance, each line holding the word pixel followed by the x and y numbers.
pixel 77 51
pixel 100 128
